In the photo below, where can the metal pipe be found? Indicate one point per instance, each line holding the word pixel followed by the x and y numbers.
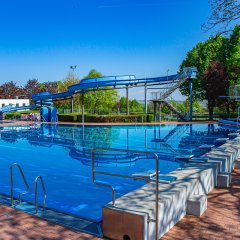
pixel 11 182
pixel 101 183
pixel 83 107
pixel 145 98
pixel 72 103
pixel 125 176
pixel 127 101
pixel 191 99
pixel 36 193
pixel 154 110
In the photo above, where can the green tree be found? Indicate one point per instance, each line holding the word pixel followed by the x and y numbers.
pixel 99 100
pixel 201 56
pixel 233 55
pixel 134 105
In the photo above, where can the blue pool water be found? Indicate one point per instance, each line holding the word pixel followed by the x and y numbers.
pixel 61 154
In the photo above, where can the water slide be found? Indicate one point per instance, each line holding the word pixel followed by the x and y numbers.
pixel 12 108
pixel 48 113
pixel 115 82
pixel 44 100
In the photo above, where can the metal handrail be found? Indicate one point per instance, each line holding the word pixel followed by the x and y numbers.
pixel 36 193
pixel 11 182
pixel 130 177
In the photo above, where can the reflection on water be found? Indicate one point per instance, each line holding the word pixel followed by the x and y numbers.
pixel 165 140
pixel 61 154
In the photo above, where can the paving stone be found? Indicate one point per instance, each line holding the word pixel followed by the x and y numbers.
pixel 220 221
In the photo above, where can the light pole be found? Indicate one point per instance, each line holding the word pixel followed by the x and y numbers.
pixel 167 73
pixel 73 67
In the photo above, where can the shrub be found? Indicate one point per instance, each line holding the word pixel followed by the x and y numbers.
pixel 12 115
pixel 106 118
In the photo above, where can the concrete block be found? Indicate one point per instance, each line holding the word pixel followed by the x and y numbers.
pixel 197 205
pixel 237 164
pixel 223 179
pixel 116 224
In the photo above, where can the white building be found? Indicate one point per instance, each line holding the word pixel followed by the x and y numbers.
pixel 14 102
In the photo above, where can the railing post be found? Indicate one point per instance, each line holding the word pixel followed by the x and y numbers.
pixel 36 193
pixel 11 182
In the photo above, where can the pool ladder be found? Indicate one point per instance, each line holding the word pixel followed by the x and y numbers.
pixel 37 179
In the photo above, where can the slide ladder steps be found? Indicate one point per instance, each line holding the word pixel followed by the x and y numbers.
pixel 180 115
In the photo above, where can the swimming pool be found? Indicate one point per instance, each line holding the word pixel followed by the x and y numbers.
pixel 61 154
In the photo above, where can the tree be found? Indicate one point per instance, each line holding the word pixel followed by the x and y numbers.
pixel 10 90
pixel 101 100
pixel 51 87
pixel 200 57
pixel 233 55
pixel 134 105
pixel 31 87
pixel 215 82
pixel 224 14
pixel 63 85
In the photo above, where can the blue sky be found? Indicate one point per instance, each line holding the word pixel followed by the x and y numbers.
pixel 42 38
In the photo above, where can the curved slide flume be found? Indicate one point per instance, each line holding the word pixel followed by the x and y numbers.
pixel 92 84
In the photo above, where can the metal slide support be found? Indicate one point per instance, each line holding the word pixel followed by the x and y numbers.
pixel 191 99
pixel 39 178
pixel 11 182
pixel 127 101
pixel 160 111
pixel 145 98
pixel 82 107
pixel 72 104
pixel 154 110
pixel 129 177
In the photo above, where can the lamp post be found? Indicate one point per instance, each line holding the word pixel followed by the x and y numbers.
pixel 73 67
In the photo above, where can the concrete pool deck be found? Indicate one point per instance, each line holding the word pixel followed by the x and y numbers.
pixel 220 221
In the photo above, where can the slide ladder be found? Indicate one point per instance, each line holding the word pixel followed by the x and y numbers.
pixel 172 108
pixel 172 87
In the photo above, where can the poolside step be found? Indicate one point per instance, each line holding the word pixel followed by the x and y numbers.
pixel 233 135
pixel 197 205
pixel 199 159
pixel 145 174
pixel 224 180
pixel 165 178
pixel 206 147
pixel 183 158
pixel 237 164
pixel 221 140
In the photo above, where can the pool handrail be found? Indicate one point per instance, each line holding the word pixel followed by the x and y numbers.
pixel 39 178
pixel 11 182
pixel 129 177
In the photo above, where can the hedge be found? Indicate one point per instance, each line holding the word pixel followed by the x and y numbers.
pixel 18 114
pixel 76 117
